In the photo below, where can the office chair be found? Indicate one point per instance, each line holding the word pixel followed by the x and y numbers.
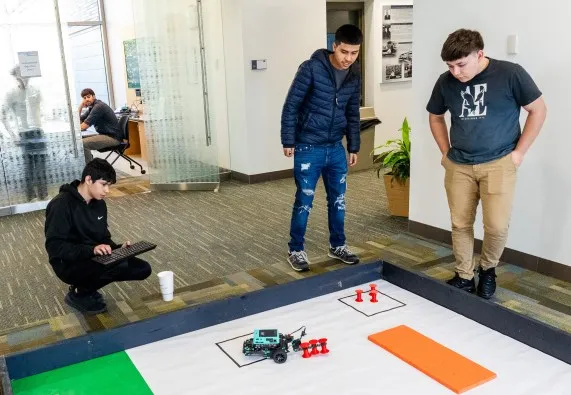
pixel 123 145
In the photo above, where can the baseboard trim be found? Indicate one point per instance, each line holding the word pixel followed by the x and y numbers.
pixel 262 177
pixel 527 261
pixel 225 176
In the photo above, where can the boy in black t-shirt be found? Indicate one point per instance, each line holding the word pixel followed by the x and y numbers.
pixel 484 97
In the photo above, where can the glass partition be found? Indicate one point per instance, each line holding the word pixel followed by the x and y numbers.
pixel 39 138
pixel 172 66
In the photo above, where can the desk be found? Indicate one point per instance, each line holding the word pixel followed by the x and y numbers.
pixel 137 139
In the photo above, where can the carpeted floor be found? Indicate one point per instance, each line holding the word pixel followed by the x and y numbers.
pixel 201 236
pixel 226 244
pixel 529 293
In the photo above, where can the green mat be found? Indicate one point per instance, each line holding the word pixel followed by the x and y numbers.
pixel 113 374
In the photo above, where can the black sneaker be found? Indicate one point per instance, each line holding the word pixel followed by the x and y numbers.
pixel 343 254
pixel 96 294
pixel 85 303
pixel 487 283
pixel 462 283
pixel 298 261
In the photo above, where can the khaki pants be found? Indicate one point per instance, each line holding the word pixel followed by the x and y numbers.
pixel 493 183
pixel 99 141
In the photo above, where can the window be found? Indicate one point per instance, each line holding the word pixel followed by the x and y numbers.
pixel 88 61
pixel 88 47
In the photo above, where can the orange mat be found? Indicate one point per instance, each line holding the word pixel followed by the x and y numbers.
pixel 433 359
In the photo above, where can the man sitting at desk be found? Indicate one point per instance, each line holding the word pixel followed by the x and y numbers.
pixel 76 231
pixel 94 112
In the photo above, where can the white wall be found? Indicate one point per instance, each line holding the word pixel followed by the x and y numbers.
pixel 392 101
pixel 541 222
pixel 235 86
pixel 257 29
pixel 285 33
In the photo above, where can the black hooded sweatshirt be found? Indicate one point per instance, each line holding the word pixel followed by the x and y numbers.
pixel 74 227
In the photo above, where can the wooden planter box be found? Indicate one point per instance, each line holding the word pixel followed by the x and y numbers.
pixel 397 196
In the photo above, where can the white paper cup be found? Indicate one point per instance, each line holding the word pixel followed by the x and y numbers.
pixel 166 283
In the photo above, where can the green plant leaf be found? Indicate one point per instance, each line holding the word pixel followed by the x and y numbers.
pixel 388 144
pixel 380 158
pixel 406 134
pixel 388 158
pixel 395 156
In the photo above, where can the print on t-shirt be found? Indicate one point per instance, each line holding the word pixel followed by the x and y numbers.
pixel 473 103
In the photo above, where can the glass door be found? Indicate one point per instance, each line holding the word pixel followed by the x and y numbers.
pixel 39 139
pixel 171 61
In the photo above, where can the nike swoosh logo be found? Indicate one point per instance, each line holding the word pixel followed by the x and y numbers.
pixel 99 217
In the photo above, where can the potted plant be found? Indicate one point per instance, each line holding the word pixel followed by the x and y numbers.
pixel 395 157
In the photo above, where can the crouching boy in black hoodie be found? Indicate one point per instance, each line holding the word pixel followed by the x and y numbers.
pixel 76 230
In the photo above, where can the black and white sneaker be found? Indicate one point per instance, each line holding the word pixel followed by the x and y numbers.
pixel 298 261
pixel 344 254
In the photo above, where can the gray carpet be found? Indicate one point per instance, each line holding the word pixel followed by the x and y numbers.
pixel 200 236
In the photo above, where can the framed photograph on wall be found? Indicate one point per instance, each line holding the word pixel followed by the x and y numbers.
pixel 397 43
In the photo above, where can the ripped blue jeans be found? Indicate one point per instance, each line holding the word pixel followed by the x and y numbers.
pixel 310 162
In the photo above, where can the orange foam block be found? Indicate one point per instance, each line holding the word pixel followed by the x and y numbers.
pixel 449 368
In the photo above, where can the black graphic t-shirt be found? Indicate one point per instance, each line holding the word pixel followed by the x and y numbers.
pixel 484 111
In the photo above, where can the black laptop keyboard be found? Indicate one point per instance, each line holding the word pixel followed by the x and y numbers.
pixel 124 252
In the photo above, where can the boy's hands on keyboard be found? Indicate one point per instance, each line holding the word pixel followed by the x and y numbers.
pixel 105 249
pixel 102 249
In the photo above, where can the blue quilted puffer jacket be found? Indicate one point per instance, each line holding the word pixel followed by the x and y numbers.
pixel 315 112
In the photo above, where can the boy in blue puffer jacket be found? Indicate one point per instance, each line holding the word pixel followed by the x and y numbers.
pixel 321 107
